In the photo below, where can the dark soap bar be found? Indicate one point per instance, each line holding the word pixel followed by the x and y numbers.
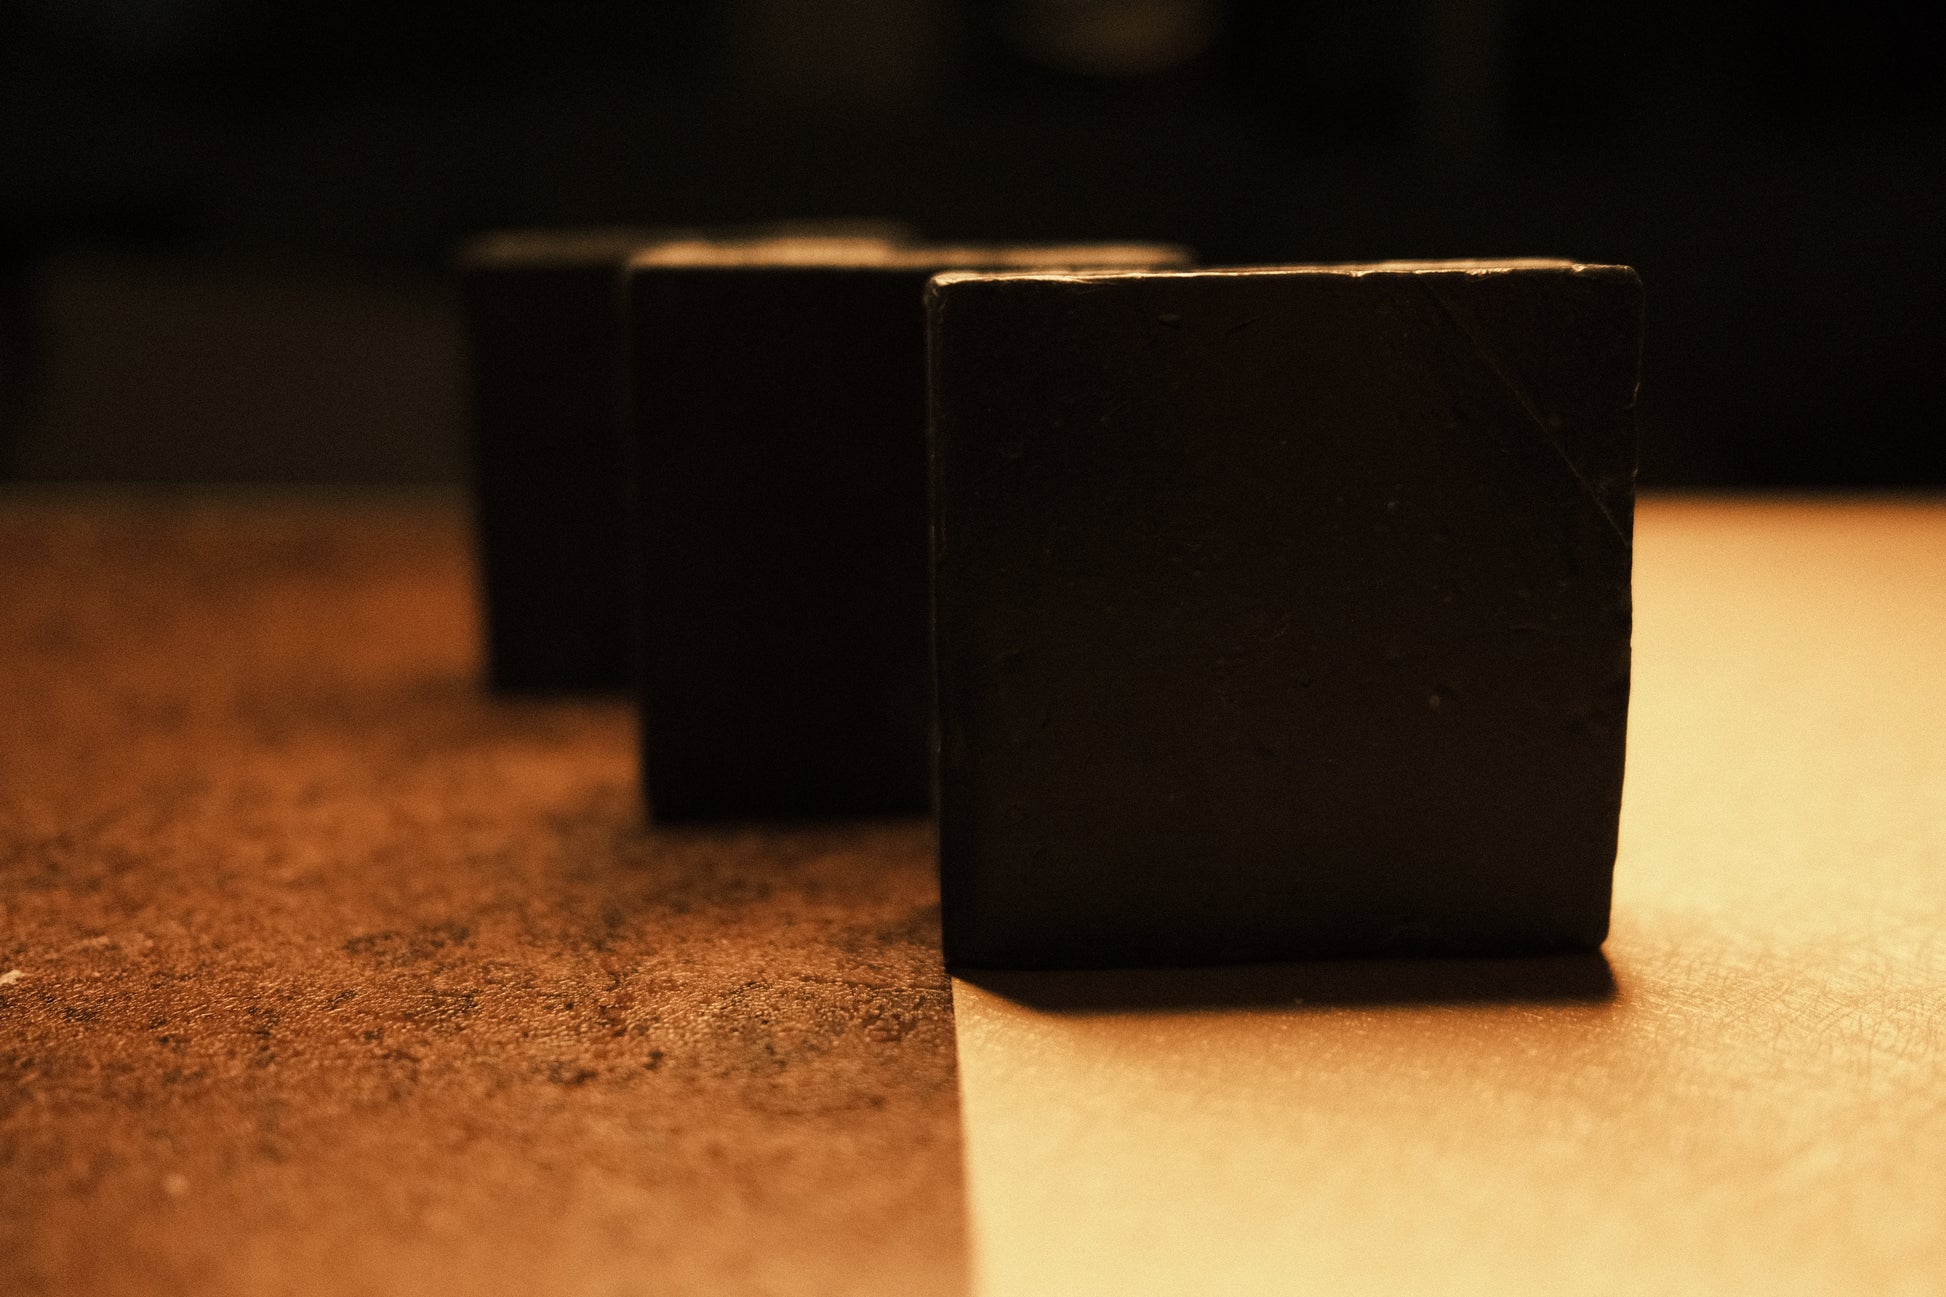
pixel 550 494
pixel 548 449
pixel 1281 613
pixel 779 414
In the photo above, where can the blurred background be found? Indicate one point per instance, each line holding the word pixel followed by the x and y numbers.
pixel 225 225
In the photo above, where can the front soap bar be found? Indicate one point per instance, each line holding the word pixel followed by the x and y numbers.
pixel 551 493
pixel 779 416
pixel 1281 613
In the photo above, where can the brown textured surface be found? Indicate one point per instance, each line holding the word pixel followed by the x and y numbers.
pixel 323 974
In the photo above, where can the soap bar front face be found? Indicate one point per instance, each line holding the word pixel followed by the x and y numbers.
pixel 779 417
pixel 550 495
pixel 1281 613
pixel 779 414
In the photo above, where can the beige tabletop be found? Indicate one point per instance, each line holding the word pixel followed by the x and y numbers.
pixel 321 972
pixel 1749 1096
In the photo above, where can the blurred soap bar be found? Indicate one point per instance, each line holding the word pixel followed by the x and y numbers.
pixel 779 425
pixel 551 493
pixel 1281 613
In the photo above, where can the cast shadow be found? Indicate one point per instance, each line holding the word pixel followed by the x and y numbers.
pixel 1582 978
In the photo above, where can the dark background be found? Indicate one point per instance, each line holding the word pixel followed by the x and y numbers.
pixel 224 224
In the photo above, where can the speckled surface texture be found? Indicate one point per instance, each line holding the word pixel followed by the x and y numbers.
pixel 321 973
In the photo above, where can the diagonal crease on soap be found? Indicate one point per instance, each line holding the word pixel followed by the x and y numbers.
pixel 1280 612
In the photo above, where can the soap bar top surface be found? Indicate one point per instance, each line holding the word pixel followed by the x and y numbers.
pixel 787 251
pixel 612 245
pixel 608 245
pixel 1281 612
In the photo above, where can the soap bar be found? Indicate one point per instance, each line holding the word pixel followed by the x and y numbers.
pixel 550 494
pixel 779 423
pixel 1281 612
pixel 551 491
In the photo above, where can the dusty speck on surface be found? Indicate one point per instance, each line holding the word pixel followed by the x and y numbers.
pixel 325 974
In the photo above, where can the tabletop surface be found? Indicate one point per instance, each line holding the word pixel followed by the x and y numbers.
pixel 320 972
